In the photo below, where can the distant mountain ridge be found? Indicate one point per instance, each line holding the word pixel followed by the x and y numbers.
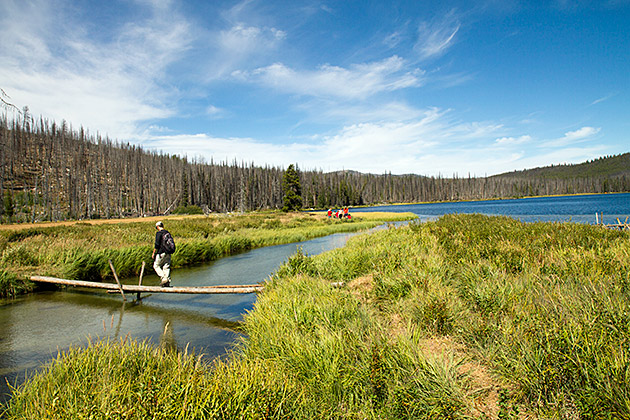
pixel 607 166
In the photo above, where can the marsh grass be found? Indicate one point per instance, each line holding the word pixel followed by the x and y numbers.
pixel 465 317
pixel 11 285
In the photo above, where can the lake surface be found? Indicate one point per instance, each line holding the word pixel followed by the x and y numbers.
pixel 33 328
pixel 575 208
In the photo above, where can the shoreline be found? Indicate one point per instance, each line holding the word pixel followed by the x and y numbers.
pixel 489 199
pixel 139 219
pixel 467 201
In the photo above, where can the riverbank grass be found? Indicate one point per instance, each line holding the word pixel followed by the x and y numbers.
pixel 465 317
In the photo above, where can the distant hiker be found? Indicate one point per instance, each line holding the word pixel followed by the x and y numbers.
pixel 345 212
pixel 164 247
pixel 329 213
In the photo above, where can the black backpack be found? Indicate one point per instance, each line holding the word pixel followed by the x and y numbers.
pixel 168 243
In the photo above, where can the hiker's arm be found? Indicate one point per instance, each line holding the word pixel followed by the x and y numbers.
pixel 156 246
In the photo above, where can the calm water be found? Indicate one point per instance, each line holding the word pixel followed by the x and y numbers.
pixel 33 328
pixel 578 208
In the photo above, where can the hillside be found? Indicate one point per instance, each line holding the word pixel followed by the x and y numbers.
pixel 608 166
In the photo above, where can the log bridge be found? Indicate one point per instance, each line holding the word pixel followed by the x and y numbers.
pixel 599 220
pixel 122 288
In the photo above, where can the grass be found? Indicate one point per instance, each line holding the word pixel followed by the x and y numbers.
pixel 81 250
pixel 465 317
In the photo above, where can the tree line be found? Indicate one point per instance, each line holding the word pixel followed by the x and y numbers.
pixel 50 171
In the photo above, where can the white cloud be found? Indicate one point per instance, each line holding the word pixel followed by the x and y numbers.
pixel 572 137
pixel 507 141
pixel 434 38
pixel 333 111
pixel 357 82
pixel 214 112
pixel 568 155
pixel 603 99
pixel 580 134
pixel 240 45
pixel 62 72
pixel 430 144
pixel 392 40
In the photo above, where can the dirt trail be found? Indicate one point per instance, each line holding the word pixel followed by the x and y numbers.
pixel 20 226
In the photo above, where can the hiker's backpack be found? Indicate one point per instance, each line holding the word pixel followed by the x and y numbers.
pixel 168 243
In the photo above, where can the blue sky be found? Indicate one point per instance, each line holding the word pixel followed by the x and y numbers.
pixel 424 87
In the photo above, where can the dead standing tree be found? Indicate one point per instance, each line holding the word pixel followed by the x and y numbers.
pixel 4 102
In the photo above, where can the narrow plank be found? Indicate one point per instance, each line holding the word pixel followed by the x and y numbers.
pixel 223 289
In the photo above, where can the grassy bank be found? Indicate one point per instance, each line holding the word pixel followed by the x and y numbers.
pixel 81 250
pixel 466 317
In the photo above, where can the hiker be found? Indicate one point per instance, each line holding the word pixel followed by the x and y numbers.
pixel 164 247
pixel 329 213
pixel 345 212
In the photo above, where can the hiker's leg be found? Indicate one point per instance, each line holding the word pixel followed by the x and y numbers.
pixel 166 269
pixel 158 266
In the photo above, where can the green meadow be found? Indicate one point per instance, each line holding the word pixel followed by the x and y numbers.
pixel 466 317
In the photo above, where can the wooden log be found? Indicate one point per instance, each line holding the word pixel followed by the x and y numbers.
pixel 249 288
pixel 117 281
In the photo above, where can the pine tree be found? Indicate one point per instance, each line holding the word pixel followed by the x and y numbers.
pixel 292 190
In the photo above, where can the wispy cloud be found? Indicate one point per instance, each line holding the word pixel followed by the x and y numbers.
pixel 435 37
pixel 580 134
pixel 417 145
pixel 356 82
pixel 573 137
pixel 62 71
pixel 237 45
pixel 603 98
pixel 509 141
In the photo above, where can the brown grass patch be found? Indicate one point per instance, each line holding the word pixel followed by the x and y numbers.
pixel 153 219
pixel 361 287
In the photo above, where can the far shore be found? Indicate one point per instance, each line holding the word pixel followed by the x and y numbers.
pixel 18 226
pixel 480 200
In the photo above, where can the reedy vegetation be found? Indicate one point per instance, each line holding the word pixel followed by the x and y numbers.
pixel 544 307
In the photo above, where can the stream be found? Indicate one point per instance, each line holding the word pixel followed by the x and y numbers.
pixel 33 328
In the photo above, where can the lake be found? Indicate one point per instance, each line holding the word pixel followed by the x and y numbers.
pixel 34 327
pixel 574 208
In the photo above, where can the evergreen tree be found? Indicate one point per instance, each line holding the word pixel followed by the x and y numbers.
pixel 292 190
pixel 8 206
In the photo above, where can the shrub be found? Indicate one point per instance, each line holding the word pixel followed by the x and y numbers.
pixel 190 209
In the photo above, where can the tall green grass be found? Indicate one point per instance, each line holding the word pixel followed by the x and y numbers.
pixel 465 317
pixel 11 285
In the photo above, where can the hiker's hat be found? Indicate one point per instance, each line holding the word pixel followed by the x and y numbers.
pixel 159 224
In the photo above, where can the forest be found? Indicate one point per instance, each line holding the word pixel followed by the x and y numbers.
pixel 51 172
